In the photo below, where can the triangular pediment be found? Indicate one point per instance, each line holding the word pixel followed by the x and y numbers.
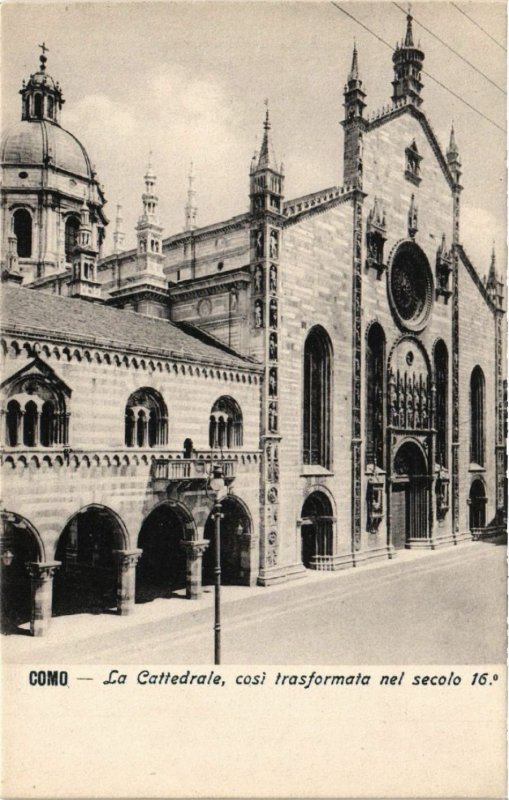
pixel 37 369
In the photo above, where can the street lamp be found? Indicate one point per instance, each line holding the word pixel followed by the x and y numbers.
pixel 218 485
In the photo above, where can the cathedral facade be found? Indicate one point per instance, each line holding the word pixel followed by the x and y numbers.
pixel 335 361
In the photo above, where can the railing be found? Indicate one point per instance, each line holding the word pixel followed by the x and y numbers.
pixel 168 469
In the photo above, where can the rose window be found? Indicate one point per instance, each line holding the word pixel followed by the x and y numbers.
pixel 410 287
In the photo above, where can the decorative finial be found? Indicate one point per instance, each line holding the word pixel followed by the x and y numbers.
pixel 354 71
pixel 266 124
pixel 409 38
pixel 42 57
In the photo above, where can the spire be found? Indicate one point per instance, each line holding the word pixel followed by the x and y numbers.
pixel 267 159
pixel 354 71
pixel 494 286
pixel 118 235
pixel 453 157
pixel 191 210
pixel 148 229
pixel 41 96
pixel 409 38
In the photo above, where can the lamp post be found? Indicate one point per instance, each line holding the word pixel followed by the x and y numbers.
pixel 218 486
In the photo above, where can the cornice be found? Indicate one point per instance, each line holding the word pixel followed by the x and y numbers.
pixel 210 284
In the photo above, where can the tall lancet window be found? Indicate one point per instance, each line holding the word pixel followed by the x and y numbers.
pixel 442 394
pixel 316 428
pixel 375 393
pixel 477 417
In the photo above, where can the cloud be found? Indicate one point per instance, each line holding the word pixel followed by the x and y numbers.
pixel 478 231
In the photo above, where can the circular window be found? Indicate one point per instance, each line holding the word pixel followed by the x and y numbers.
pixel 410 287
pixel 23 175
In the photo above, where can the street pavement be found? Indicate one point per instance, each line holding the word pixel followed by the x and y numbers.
pixel 443 607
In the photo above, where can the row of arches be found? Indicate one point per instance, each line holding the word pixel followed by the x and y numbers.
pixel 87 580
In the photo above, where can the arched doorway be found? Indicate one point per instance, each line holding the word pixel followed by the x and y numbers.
pixel 477 502
pixel 18 547
pixel 410 496
pixel 235 532
pixel 162 566
pixel 316 531
pixel 87 579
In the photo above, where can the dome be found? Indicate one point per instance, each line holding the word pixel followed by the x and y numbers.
pixel 38 142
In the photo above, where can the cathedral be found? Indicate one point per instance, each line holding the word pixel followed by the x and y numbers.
pixel 330 367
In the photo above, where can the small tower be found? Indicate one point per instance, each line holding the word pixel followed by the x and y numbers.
pixel 353 93
pixel 266 177
pixel 494 286
pixel 354 125
pixel 41 97
pixel 191 210
pixel 9 269
pixel 84 281
pixel 407 60
pixel 118 235
pixel 148 230
pixel 453 158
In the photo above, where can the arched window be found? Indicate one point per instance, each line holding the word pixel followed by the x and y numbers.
pixel 50 106
pixel 225 424
pixel 23 230
pixel 36 411
pixel 146 419
pixel 375 383
pixel 442 393
pixel 317 398
pixel 38 106
pixel 47 424
pixel 71 234
pixel 30 424
pixel 12 421
pixel 477 403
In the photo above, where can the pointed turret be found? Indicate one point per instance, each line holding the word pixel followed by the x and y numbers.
pixel 407 60
pixel 84 281
pixel 191 210
pixel 353 93
pixel 41 97
pixel 494 286
pixel 354 125
pixel 148 230
pixel 266 176
pixel 118 235
pixel 453 157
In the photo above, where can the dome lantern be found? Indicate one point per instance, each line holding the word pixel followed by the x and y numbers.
pixel 41 97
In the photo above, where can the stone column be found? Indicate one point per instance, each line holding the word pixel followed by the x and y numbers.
pixel 126 586
pixel 41 575
pixel 195 549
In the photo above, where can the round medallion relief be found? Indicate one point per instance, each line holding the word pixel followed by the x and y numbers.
pixel 410 287
pixel 204 307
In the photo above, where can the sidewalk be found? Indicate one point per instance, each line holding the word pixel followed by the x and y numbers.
pixel 77 628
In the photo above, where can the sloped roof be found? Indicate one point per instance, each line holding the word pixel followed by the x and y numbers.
pixel 37 313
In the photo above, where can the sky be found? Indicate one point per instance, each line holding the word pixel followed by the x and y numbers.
pixel 189 80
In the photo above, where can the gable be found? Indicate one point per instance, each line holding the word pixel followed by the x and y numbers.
pixel 36 370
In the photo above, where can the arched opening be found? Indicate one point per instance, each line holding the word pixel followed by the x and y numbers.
pixel 72 225
pixel 146 419
pixel 235 534
pixel 225 424
pixel 50 106
pixel 441 358
pixel 30 424
pixel 477 505
pixel 47 423
pixel 316 531
pixel 22 226
pixel 477 413
pixel 18 547
pixel 12 423
pixel 162 567
pixel 38 106
pixel 87 579
pixel 375 393
pixel 316 445
pixel 409 518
